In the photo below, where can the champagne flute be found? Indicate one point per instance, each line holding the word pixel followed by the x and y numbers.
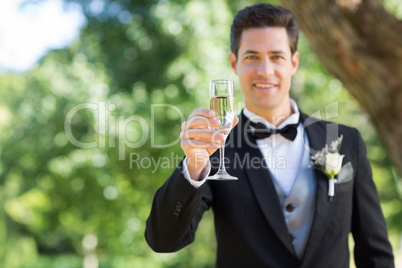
pixel 221 95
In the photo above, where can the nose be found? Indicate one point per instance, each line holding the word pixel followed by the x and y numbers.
pixel 265 67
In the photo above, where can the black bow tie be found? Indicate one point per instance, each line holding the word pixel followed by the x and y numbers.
pixel 262 132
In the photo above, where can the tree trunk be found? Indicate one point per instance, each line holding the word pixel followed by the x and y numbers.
pixel 361 44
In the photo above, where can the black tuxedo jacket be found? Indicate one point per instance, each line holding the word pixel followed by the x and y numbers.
pixel 250 227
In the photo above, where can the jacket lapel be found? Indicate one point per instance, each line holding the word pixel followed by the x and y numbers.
pixel 263 187
pixel 317 135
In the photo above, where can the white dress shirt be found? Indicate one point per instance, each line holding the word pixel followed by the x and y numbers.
pixel 281 155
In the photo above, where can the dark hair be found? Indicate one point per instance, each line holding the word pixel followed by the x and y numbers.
pixel 260 16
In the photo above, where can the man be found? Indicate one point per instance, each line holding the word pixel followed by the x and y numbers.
pixel 278 213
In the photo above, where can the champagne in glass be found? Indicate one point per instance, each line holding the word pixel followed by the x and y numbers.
pixel 221 93
pixel 222 106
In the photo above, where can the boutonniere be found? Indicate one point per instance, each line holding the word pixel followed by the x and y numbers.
pixel 329 161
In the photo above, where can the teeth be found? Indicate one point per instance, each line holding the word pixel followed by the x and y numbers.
pixel 263 85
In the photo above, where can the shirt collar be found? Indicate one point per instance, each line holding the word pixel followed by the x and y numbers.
pixel 292 119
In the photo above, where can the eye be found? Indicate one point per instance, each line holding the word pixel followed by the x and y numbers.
pixel 278 57
pixel 251 57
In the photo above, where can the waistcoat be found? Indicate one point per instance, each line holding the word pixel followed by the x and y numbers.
pixel 299 206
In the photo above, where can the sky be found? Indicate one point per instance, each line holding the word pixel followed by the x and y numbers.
pixel 29 31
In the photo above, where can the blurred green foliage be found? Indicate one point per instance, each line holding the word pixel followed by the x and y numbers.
pixel 91 132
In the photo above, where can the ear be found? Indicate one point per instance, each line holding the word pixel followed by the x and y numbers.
pixel 233 62
pixel 295 62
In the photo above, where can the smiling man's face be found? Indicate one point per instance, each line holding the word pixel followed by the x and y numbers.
pixel 265 67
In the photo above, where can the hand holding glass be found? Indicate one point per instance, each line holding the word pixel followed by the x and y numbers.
pixel 221 95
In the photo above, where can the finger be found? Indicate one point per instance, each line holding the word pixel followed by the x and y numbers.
pixel 202 112
pixel 198 144
pixel 202 134
pixel 235 121
pixel 200 122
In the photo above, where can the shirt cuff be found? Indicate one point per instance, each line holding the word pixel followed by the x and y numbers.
pixel 203 176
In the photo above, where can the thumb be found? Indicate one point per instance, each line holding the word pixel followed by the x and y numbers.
pixel 235 121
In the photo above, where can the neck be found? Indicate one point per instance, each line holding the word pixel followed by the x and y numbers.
pixel 273 116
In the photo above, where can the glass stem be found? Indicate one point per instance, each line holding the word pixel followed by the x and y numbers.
pixel 222 157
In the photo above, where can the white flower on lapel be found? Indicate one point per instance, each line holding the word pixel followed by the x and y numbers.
pixel 329 161
pixel 333 164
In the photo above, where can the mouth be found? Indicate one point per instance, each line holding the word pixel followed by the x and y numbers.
pixel 265 86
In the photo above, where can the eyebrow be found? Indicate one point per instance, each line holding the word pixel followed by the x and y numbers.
pixel 278 52
pixel 256 52
pixel 250 52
